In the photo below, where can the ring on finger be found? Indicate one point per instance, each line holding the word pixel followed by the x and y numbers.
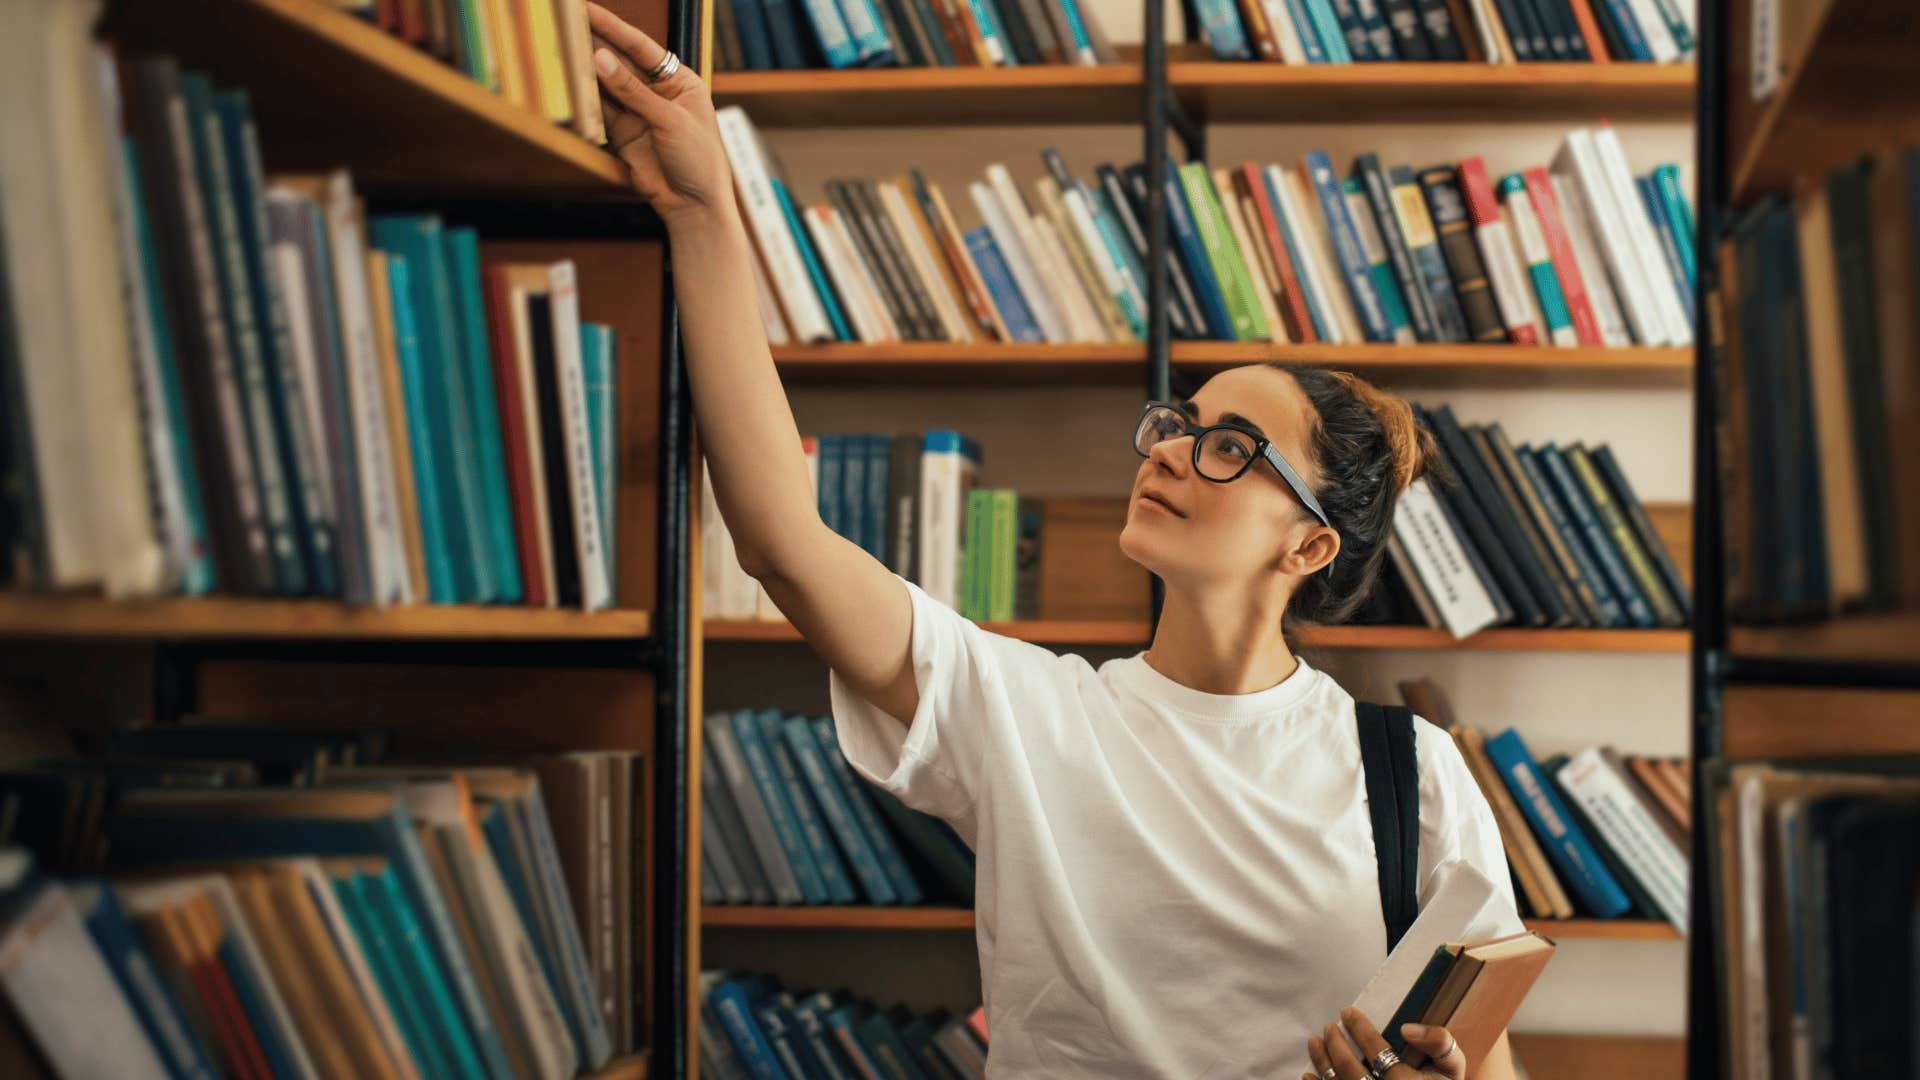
pixel 665 69
pixel 1382 1061
pixel 1328 1074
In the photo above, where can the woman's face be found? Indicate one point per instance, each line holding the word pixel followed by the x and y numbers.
pixel 1197 533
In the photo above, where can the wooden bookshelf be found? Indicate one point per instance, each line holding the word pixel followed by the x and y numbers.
pixel 1881 637
pixel 951 918
pixel 925 96
pixel 1136 634
pixel 631 1067
pixel 83 617
pixel 332 90
pixel 1414 92
pixel 918 362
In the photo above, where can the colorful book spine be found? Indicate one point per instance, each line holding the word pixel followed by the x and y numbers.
pixel 865 26
pixel 1669 245
pixel 1229 270
pixel 1193 253
pixel 1006 296
pixel 463 260
pixel 786 822
pixel 1374 181
pixel 1580 508
pixel 1533 251
pixel 822 288
pixel 1374 247
pixel 1566 268
pixel 1423 247
pixel 1347 247
pixel 838 811
pixel 813 830
pixel 441 587
pixel 1572 853
pixel 1220 25
pixel 1511 291
pixel 1303 26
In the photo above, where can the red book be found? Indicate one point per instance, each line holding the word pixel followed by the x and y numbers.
pixel 978 1022
pixel 513 436
pixel 1483 210
pixel 1560 250
pixel 1292 304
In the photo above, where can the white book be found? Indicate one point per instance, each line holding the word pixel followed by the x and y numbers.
pixel 1644 242
pixel 1083 315
pixel 1533 250
pixel 864 279
pixel 1627 827
pixel 1654 28
pixel 1288 207
pixel 1053 278
pixel 925 263
pixel 1602 292
pixel 1483 16
pixel 1441 563
pixel 1080 201
pixel 1579 161
pixel 1087 264
pixel 67 998
pixel 1244 251
pixel 1375 249
pixel 1512 292
pixel 287 272
pixel 948 468
pixel 753 182
pixel 520 321
pixel 596 592
pixel 771 321
pixel 1336 299
pixel 374 464
pixel 853 297
pixel 348 945
pixel 1465 907
pixel 713 544
pixel 1014 252
pixel 1285 34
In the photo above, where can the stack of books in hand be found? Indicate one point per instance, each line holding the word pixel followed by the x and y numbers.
pixel 261 391
pixel 1544 536
pixel 785 819
pixel 1487 31
pixel 273 906
pixel 750 1026
pixel 764 35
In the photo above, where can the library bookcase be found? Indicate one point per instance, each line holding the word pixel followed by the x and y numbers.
pixel 1094 599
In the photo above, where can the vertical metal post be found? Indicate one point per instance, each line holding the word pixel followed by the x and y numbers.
pixel 1153 122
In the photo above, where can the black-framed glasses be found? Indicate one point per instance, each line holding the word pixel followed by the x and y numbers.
pixel 1222 453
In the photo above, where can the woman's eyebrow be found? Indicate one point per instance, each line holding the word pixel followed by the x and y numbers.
pixel 1237 420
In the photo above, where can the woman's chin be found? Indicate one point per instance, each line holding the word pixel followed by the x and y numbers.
pixel 1139 542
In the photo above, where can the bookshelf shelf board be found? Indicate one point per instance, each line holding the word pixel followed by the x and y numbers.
pixel 945 362
pixel 1878 638
pixel 1127 632
pixel 330 90
pixel 1475 364
pixel 1266 92
pixel 950 918
pixel 1044 631
pixel 925 96
pixel 63 616
pixel 630 1067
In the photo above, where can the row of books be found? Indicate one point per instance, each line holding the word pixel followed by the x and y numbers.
pixel 1489 31
pixel 1816 896
pixel 912 502
pixel 785 819
pixel 224 380
pixel 1595 834
pixel 1581 253
pixel 765 35
pixel 538 54
pixel 1525 535
pixel 387 921
pixel 751 1026
pixel 1817 422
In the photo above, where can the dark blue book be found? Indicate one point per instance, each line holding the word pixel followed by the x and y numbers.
pixel 1423 248
pixel 475 358
pixel 1353 32
pixel 1379 192
pixel 786 820
pixel 267 1032
pixel 1193 255
pixel 816 272
pixel 1129 200
pixel 944 854
pixel 844 1022
pixel 865 814
pixel 789 41
pixel 853 491
pixel 1612 612
pixel 832 453
pixel 734 1002
pixel 879 474
pixel 1619 13
pixel 791 1047
pixel 1573 855
pixel 1669 244
pixel 836 810
pixel 154 1004
pixel 1001 288
pixel 750 19
pixel 1593 534
pixel 880 1031
pixel 813 828
pixel 810 1013
pixel 1220 25
pixel 1304 28
pixel 1373 22
pixel 1346 247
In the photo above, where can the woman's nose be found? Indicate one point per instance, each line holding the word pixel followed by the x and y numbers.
pixel 1173 455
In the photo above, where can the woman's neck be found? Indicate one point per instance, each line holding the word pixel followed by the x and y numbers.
pixel 1221 643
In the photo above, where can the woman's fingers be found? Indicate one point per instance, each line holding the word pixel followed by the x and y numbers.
pixel 644 52
pixel 1317 1054
pixel 1341 1055
pixel 1439 1046
pixel 630 91
pixel 1368 1038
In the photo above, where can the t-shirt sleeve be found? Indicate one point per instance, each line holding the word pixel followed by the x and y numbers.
pixel 1455 820
pixel 933 763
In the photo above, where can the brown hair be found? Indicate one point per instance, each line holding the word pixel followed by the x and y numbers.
pixel 1367 447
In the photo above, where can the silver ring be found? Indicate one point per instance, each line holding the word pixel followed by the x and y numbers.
pixel 665 68
pixel 1328 1074
pixel 1452 1045
pixel 1382 1061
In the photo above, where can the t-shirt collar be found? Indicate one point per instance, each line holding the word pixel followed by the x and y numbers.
pixel 1158 689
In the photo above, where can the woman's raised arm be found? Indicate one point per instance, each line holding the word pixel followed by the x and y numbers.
pixel 847 605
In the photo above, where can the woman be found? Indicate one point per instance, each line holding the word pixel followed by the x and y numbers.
pixel 1176 873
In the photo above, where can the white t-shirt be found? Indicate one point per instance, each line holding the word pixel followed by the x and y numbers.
pixel 1169 883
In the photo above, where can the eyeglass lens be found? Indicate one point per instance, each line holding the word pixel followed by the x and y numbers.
pixel 1223 452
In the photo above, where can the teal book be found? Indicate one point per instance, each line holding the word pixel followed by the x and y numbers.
pixel 158 826
pixel 384 959
pixel 596 357
pixel 865 814
pixel 197 576
pixel 267 1030
pixel 463 260
pixel 815 272
pixel 813 830
pixel 880 1031
pixel 786 823
pixel 1666 180
pixel 389 902
pixel 449 412
pixel 413 390
pixel 835 807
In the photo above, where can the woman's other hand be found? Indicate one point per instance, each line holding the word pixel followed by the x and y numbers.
pixel 664 131
pixel 1333 1057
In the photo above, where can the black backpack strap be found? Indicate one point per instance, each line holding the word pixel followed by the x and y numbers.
pixel 1393 801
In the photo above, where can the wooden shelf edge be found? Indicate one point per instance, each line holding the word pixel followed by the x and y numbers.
pixel 629 1067
pixel 1186 73
pixel 1323 637
pixel 80 617
pixel 916 80
pixel 948 918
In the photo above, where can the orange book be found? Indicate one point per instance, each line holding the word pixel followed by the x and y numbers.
pixel 1484 988
pixel 1589 31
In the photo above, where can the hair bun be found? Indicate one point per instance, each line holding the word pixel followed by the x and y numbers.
pixel 1410 444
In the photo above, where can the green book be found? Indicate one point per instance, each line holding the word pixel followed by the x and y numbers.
pixel 973 562
pixel 1005 523
pixel 384 961
pixel 1229 265
pixel 387 901
pixel 474 357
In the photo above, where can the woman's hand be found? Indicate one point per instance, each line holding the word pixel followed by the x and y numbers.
pixel 1333 1058
pixel 664 131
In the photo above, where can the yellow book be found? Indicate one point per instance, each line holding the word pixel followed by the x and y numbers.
pixel 503 32
pixel 541 35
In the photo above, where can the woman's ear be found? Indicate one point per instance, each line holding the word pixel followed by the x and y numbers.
pixel 1315 551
